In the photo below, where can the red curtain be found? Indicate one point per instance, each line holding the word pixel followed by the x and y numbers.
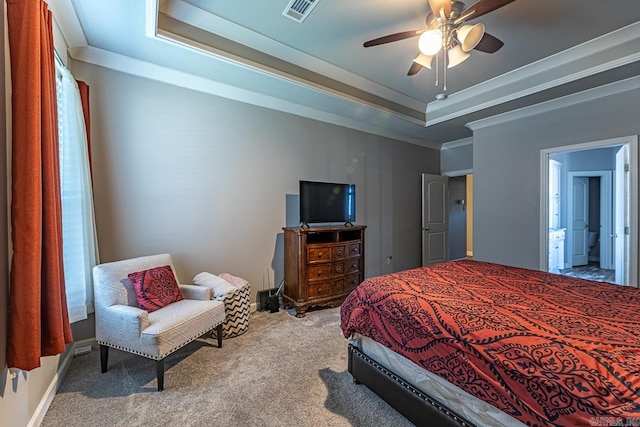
pixel 84 99
pixel 38 320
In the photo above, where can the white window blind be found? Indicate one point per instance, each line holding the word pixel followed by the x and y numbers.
pixel 79 243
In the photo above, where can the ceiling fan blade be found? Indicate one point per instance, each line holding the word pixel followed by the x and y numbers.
pixel 489 44
pixel 415 67
pixel 393 38
pixel 482 7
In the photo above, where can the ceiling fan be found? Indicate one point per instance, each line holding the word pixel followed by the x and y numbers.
pixel 447 31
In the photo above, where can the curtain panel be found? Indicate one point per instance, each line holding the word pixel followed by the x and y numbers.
pixel 38 322
pixel 84 99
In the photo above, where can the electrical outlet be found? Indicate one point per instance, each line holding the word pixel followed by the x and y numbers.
pixel 389 259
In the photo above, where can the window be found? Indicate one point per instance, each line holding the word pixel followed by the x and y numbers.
pixel 78 224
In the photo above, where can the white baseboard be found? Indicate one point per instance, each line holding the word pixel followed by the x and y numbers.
pixel 56 381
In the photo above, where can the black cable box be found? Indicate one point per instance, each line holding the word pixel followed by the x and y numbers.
pixel 268 300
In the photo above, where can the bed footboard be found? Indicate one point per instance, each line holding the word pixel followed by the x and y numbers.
pixel 416 406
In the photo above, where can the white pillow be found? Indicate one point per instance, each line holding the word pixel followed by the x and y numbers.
pixel 236 281
pixel 217 284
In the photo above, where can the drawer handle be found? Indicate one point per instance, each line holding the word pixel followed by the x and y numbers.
pixel 319 273
pixel 320 254
pixel 339 268
pixel 319 290
pixel 354 250
pixel 340 252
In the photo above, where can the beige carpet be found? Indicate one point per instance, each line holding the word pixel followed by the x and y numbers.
pixel 283 371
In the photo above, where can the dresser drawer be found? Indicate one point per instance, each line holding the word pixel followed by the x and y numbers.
pixel 352 266
pixel 320 272
pixel 351 282
pixel 338 253
pixel 339 286
pixel 337 269
pixel 353 250
pixel 317 290
pixel 316 254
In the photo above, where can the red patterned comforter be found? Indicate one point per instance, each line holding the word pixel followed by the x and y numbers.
pixel 544 348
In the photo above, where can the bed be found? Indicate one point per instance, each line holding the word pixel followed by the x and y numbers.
pixel 475 343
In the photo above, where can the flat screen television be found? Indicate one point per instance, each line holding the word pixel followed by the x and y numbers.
pixel 322 202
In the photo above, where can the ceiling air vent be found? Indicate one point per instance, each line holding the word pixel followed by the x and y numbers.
pixel 298 10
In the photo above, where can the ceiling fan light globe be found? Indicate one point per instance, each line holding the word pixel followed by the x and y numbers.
pixel 456 56
pixel 430 42
pixel 470 36
pixel 423 60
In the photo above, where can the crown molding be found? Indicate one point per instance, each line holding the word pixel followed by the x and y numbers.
pixel 266 71
pixel 137 67
pixel 189 14
pixel 455 144
pixel 610 89
pixel 609 51
pixel 65 15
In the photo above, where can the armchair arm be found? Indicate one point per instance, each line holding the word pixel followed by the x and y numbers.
pixel 195 292
pixel 118 319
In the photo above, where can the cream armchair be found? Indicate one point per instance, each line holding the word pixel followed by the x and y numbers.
pixel 121 324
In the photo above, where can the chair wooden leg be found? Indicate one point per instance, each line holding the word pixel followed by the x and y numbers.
pixel 104 357
pixel 160 373
pixel 219 332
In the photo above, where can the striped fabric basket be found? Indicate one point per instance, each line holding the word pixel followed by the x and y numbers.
pixel 236 310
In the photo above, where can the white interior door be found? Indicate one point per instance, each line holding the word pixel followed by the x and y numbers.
pixel 580 221
pixel 621 217
pixel 435 196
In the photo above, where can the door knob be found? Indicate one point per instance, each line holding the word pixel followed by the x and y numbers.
pixel 426 228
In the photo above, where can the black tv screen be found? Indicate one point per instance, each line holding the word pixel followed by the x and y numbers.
pixel 327 202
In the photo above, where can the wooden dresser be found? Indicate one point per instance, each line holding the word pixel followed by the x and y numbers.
pixel 322 265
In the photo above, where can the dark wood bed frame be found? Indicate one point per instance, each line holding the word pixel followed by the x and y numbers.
pixel 417 407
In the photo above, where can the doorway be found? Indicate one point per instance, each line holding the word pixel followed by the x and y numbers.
pixel 588 204
pixel 458 217
pixel 589 219
pixel 447 217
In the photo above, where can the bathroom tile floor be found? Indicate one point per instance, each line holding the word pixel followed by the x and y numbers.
pixel 592 271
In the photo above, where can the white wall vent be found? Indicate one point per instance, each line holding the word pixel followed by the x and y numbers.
pixel 298 10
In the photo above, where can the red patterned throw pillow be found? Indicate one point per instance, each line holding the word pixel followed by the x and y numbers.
pixel 155 288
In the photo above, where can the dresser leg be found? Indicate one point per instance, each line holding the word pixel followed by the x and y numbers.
pixel 301 312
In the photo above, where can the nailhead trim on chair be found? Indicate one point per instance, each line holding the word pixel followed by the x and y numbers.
pixel 161 356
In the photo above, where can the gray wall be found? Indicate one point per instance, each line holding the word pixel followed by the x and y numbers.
pixel 507 171
pixel 456 158
pixel 209 180
pixel 598 159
